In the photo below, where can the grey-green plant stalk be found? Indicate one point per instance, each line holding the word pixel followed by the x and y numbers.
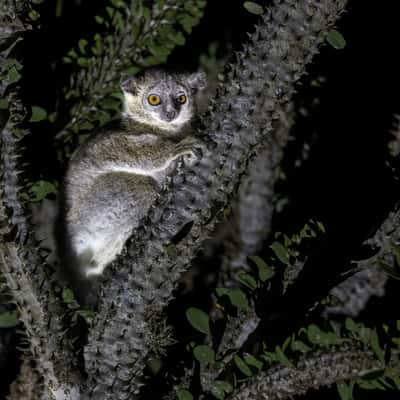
pixel 25 271
pixel 323 368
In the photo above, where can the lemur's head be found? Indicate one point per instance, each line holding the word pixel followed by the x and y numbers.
pixel 164 100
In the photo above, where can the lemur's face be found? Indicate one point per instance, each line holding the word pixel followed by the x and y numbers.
pixel 163 100
pixel 168 101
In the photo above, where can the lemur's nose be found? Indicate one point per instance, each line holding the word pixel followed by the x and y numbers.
pixel 170 115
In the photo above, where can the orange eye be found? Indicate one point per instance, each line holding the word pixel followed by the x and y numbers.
pixel 154 100
pixel 181 99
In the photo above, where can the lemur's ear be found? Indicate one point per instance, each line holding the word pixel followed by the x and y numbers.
pixel 129 84
pixel 197 81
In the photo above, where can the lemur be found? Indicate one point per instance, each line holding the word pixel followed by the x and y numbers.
pixel 114 177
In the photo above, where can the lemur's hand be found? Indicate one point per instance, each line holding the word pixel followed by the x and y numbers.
pixel 191 149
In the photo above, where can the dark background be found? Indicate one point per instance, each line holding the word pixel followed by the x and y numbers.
pixel 345 182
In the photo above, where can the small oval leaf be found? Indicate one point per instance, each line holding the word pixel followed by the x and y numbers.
pixel 280 252
pixel 298 345
pixel 38 114
pixel 67 296
pixel 41 189
pixel 281 357
pixel 345 390
pixel 264 271
pixel 184 395
pixel 198 319
pixel 223 385
pixel 336 40
pixel 247 280
pixel 236 297
pixel 253 8
pixel 242 366
pixel 204 354
pixel 252 361
pixel 8 319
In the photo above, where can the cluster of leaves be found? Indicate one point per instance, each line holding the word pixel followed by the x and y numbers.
pixel 307 340
pixel 234 301
pixel 76 311
pixel 387 377
pixel 289 252
pixel 131 36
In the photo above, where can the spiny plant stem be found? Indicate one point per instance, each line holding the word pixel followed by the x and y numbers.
pixel 323 368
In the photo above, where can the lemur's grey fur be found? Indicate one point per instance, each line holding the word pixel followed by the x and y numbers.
pixel 114 177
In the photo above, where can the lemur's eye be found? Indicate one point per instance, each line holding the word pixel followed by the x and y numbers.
pixel 181 99
pixel 154 100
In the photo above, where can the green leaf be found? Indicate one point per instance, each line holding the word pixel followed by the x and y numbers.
pixel 376 348
pixel 177 38
pixel 204 354
pixel 236 297
pixel 158 51
pixel 247 280
pixel 220 388
pixel 83 62
pixel 281 357
pixel 217 392
pixel 41 189
pixel 268 357
pixel 286 343
pixel 239 299
pixel 336 39
pixel 86 126
pixel 171 250
pixel 99 19
pixel 67 296
pixel 199 320
pixel 223 385
pixel 345 390
pixel 8 319
pixel 118 3
pixel 253 8
pixel 82 45
pixel 110 104
pixel 280 252
pixel 321 338
pixel 351 326
pixel 307 232
pixel 13 75
pixel 252 361
pixel 72 53
pixel 103 117
pixel 396 381
pixel 242 366
pixel 264 271
pixel 38 114
pixel 298 345
pixel 184 395
pixel 321 227
pixel 187 22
